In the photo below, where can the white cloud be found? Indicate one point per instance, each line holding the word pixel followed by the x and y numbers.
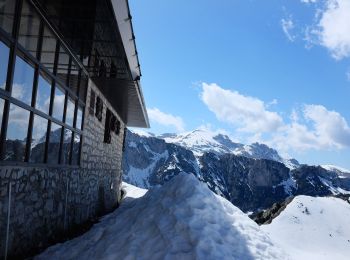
pixel 309 1
pixel 287 27
pixel 166 119
pixel 309 127
pixel 332 28
pixel 323 130
pixel 248 113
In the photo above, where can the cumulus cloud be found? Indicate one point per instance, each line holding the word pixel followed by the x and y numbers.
pixel 332 28
pixel 287 27
pixel 248 113
pixel 166 119
pixel 309 127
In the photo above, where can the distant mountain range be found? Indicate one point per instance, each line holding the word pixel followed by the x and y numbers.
pixel 253 177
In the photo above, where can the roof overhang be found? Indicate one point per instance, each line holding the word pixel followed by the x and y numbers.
pixel 125 96
pixel 136 115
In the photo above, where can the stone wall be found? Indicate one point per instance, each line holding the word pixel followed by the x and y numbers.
pixel 40 204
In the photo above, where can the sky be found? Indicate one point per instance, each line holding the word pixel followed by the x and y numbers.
pixel 275 72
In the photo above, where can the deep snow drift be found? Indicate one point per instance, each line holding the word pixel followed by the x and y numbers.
pixel 313 228
pixel 182 219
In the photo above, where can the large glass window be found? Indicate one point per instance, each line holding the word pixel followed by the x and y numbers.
pixel 48 49
pixel 60 94
pixel 7 13
pixel 67 140
pixel 4 58
pixel 58 103
pixel 29 28
pixel 83 86
pixel 70 112
pixel 73 78
pixel 43 94
pixel 16 133
pixel 79 118
pixel 54 143
pixel 37 147
pixel 63 65
pixel 2 104
pixel 76 149
pixel 23 81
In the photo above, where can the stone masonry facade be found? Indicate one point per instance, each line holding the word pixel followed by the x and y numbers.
pixel 40 204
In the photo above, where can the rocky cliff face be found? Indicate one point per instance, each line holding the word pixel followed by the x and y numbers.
pixel 253 177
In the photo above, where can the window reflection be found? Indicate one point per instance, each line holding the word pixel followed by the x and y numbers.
pixel 76 149
pixel 63 65
pixel 48 49
pixel 79 118
pixel 16 134
pixel 70 112
pixel 83 86
pixel 54 143
pixel 29 28
pixel 73 78
pixel 2 104
pixel 66 146
pixel 23 81
pixel 37 148
pixel 58 103
pixel 43 94
pixel 7 13
pixel 4 58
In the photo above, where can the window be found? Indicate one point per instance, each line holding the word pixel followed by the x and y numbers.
pixel 79 118
pixel 16 134
pixel 48 87
pixel 37 147
pixel 4 54
pixel 48 49
pixel 43 94
pixel 76 149
pixel 7 13
pixel 29 28
pixel 54 143
pixel 67 141
pixel 83 87
pixel 63 65
pixel 23 81
pixel 70 112
pixel 92 103
pixel 58 103
pixel 2 103
pixel 74 78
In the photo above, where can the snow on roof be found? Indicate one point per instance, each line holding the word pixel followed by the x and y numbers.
pixel 182 219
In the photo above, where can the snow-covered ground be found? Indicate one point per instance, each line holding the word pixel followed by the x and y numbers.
pixel 313 228
pixel 182 219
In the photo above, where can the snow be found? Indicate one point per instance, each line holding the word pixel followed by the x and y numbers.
pixel 182 219
pixel 313 228
pixel 199 141
pixel 139 177
pixel 332 188
pixel 342 172
pixel 330 167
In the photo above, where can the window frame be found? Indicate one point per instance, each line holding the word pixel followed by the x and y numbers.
pixel 17 50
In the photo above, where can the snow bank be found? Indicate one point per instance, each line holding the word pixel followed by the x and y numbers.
pixel 313 228
pixel 182 219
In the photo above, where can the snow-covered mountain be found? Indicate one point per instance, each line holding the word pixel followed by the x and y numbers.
pixel 313 228
pixel 203 140
pixel 252 177
pixel 182 219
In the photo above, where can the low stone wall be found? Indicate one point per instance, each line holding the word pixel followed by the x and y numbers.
pixel 39 204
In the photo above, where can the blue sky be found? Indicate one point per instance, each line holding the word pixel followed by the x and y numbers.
pixel 276 72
